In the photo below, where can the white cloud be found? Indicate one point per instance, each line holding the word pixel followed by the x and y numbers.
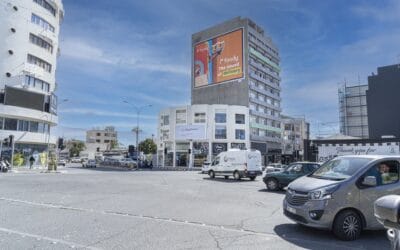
pixel 95 112
pixel 388 12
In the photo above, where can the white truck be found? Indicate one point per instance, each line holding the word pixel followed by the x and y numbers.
pixel 236 163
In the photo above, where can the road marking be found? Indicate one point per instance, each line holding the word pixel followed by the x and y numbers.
pixel 52 240
pixel 181 222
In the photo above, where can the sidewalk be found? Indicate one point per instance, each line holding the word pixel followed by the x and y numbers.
pixel 38 170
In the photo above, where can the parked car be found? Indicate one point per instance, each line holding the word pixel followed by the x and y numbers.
pixel 340 195
pixel 61 162
pixel 275 167
pixel 205 167
pixel 89 164
pixel 76 160
pixel 278 180
pixel 127 162
pixel 238 163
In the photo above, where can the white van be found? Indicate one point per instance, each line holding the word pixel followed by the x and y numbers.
pixel 238 163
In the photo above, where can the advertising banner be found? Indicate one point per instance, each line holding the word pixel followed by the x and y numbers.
pixel 219 59
pixel 327 152
pixel 190 132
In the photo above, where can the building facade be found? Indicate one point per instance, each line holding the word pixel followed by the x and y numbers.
pixel 236 63
pixel 190 135
pixel 353 113
pixel 295 131
pixel 29 47
pixel 383 102
pixel 108 135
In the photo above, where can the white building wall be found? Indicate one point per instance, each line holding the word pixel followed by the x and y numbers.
pixel 16 15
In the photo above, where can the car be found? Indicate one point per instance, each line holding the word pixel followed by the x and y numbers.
pixel 76 160
pixel 339 196
pixel 89 164
pixel 205 167
pixel 236 163
pixel 61 162
pixel 278 180
pixel 275 167
pixel 127 162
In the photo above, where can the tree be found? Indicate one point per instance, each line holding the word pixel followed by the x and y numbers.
pixel 148 146
pixel 76 148
pixel 113 144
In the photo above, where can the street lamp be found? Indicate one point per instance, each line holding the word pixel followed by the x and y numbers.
pixel 137 129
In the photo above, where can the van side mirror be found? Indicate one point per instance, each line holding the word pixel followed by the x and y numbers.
pixel 386 210
pixel 369 181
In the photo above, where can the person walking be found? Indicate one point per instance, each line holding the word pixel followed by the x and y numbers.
pixel 31 161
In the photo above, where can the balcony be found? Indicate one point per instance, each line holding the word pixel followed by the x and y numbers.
pixel 265 138
pixel 264 115
pixel 265 69
pixel 264 59
pixel 265 92
pixel 255 100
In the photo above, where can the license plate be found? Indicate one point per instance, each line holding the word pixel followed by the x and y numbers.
pixel 290 209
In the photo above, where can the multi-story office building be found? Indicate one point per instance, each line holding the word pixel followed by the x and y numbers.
pixel 353 115
pixel 295 131
pixel 236 63
pixel 383 102
pixel 29 47
pixel 201 132
pixel 108 135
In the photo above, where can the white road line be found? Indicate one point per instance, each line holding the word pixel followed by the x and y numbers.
pixel 52 240
pixel 181 222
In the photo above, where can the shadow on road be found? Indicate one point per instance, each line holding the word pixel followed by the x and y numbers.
pixel 230 180
pixel 306 237
pixel 104 169
pixel 264 190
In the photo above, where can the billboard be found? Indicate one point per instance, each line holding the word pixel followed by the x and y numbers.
pixel 190 132
pixel 218 59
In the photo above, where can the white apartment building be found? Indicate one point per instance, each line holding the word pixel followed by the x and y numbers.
pixel 29 47
pixel 190 135
pixel 295 131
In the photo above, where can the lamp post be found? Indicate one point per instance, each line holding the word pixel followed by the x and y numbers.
pixel 136 130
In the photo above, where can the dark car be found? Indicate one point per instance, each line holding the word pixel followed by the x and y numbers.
pixel 278 180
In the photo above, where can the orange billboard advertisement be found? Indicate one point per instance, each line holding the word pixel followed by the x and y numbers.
pixel 219 59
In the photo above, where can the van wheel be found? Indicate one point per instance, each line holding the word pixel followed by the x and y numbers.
pixel 272 184
pixel 211 174
pixel 226 177
pixel 347 225
pixel 236 175
pixel 252 178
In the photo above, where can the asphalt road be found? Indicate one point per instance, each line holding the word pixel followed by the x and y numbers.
pixel 109 209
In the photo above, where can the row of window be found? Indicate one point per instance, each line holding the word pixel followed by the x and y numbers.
pixel 264 76
pixel 264 121
pixel 42 23
pixel 264 52
pixel 47 6
pixel 262 109
pixel 263 132
pixel 262 86
pixel 264 98
pixel 265 67
pixel 220 117
pixel 253 38
pixel 39 62
pixel 23 125
pixel 37 83
pixel 220 133
pixel 41 42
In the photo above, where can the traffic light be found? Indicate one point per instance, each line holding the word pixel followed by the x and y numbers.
pixel 131 149
pixel 165 151
pixel 60 143
pixel 98 149
pixel 11 140
pixel 189 151
pixel 5 142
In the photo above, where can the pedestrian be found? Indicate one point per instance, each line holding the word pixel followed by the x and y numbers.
pixel 31 161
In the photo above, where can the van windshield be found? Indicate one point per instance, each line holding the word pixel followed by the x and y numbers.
pixel 340 168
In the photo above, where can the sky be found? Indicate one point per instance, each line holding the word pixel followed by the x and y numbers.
pixel 140 52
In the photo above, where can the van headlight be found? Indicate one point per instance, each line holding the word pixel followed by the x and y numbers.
pixel 324 193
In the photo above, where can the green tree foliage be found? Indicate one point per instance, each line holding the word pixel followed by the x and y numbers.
pixel 76 148
pixel 148 146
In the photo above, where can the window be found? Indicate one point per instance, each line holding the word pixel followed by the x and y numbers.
pixel 199 117
pixel 40 42
pixel 36 83
pixel 164 120
pixel 98 141
pixel 220 117
pixel 220 132
pixel 1 122
pixel 42 23
pixel 240 134
pixel 10 124
pixel 39 62
pixel 180 116
pixel 47 6
pixel 23 125
pixel 386 172
pixel 98 134
pixel 34 127
pixel 106 141
pixel 240 119
pixel 41 127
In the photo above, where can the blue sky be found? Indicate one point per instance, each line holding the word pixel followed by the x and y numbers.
pixel 139 51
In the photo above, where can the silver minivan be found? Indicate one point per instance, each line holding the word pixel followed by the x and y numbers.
pixel 340 195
